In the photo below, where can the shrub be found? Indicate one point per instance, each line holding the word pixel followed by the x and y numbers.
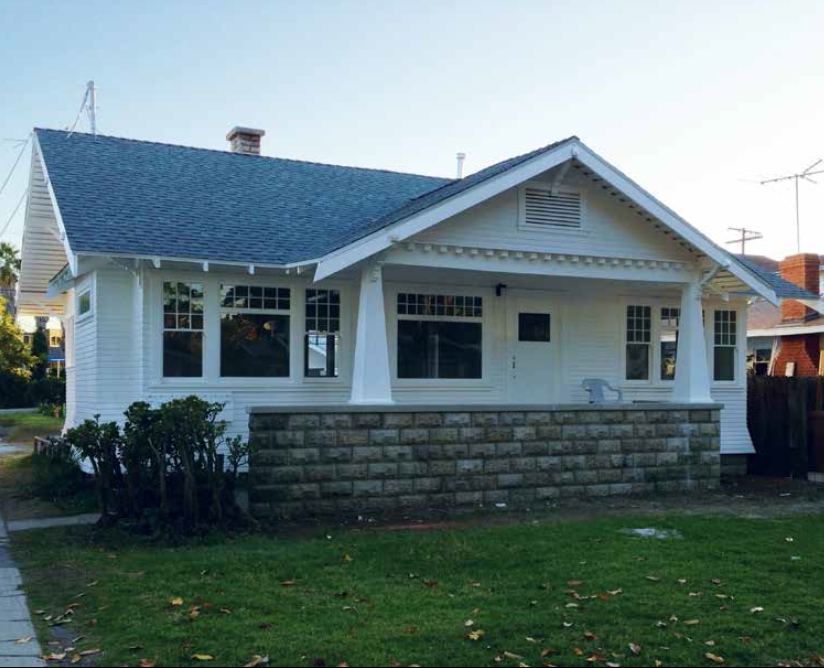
pixel 56 472
pixel 166 467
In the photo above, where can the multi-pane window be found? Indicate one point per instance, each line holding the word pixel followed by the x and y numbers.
pixel 447 305
pixel 761 360
pixel 639 339
pixel 182 329
pixel 726 341
pixel 440 336
pixel 669 342
pixel 322 337
pixel 254 331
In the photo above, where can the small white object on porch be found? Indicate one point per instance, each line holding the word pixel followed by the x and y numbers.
pixel 371 380
pixel 692 376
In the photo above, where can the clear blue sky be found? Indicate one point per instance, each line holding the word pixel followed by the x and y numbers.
pixel 693 100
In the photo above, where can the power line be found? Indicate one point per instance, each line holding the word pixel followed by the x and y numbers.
pixel 806 176
pixel 14 166
pixel 14 213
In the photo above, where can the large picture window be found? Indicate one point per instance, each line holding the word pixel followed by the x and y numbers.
pixel 440 336
pixel 182 329
pixel 254 331
pixel 322 337
pixel 726 342
pixel 639 339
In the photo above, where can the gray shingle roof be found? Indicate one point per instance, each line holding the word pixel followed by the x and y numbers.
pixel 783 289
pixel 131 197
pixel 134 197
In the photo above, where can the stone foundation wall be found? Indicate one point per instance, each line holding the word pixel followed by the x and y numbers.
pixel 347 460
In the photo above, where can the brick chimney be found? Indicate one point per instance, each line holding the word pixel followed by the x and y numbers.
pixel 803 271
pixel 245 140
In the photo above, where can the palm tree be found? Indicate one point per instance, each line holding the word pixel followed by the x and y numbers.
pixel 9 265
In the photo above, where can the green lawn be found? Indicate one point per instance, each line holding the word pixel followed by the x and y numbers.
pixel 381 598
pixel 23 427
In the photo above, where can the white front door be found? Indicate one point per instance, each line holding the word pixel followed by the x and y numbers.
pixel 533 364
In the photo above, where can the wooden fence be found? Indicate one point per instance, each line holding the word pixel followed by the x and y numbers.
pixel 783 423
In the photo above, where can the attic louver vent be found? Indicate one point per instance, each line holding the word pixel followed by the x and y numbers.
pixel 542 207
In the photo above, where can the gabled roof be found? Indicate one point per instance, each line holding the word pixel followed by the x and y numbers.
pixel 142 199
pixel 129 197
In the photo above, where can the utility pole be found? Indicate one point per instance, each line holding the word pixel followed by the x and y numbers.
pixel 746 235
pixel 806 174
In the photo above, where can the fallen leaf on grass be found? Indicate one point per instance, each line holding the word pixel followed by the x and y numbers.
pixel 90 652
pixel 575 583
pixel 590 636
pixel 176 602
pixel 715 658
pixel 225 611
pixel 757 610
pixel 76 658
pixel 692 622
pixel 635 649
pixel 145 663
pixel 256 660
pixel 202 657
pixel 287 583
pixel 55 656
pixel 475 636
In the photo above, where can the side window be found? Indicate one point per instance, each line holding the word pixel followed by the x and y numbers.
pixel 182 329
pixel 84 302
pixel 669 342
pixel 639 339
pixel 321 346
pixel 726 341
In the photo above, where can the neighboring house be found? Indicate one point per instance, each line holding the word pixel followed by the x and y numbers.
pixel 54 335
pixel 260 281
pixel 787 340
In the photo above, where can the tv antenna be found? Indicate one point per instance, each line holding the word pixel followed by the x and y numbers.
pixel 805 175
pixel 746 235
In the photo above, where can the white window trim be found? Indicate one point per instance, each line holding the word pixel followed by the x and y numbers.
pixel 739 369
pixel 391 291
pixel 343 323
pixel 211 379
pixel 583 229
pixel 655 380
pixel 180 278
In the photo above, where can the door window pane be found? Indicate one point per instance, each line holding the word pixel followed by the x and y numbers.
pixel 534 327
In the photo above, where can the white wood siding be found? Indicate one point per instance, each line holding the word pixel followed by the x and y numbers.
pixel 609 228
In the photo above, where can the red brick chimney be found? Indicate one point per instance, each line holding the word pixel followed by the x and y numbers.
pixel 245 140
pixel 802 270
pixel 802 350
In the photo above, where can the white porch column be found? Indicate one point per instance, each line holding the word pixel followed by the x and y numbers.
pixel 692 376
pixel 371 381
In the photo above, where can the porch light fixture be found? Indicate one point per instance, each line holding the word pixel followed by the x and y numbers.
pixel 499 289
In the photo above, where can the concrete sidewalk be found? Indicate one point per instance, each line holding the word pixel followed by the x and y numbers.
pixel 15 620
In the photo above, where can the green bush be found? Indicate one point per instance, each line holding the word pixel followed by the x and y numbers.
pixel 166 467
pixel 56 472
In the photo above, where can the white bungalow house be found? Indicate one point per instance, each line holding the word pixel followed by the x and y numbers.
pixel 262 281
